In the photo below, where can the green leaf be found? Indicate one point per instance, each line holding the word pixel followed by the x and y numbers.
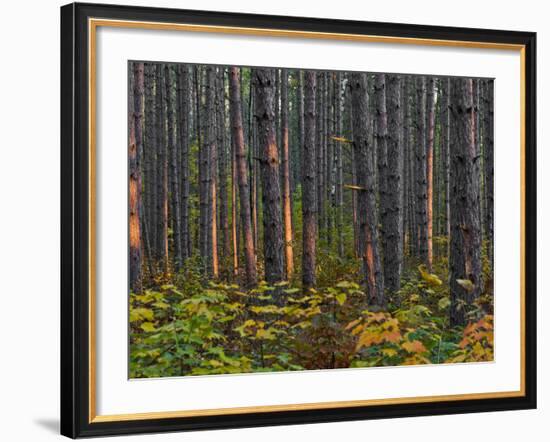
pixel 444 303
pixel 148 327
pixel 466 284
pixel 341 298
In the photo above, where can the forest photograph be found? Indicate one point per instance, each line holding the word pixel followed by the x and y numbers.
pixel 289 219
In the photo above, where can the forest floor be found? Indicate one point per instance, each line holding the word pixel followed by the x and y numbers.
pixel 184 325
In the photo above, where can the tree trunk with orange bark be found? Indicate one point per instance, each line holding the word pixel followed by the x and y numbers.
pixel 134 149
pixel 287 210
pixel 241 173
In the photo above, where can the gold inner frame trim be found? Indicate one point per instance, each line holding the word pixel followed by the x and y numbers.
pixel 93 24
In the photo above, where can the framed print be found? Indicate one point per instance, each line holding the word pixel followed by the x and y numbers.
pixel 276 220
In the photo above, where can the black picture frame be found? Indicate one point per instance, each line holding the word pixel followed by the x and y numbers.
pixel 75 220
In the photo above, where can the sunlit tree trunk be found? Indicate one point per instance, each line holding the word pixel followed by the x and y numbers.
pixel 135 147
pixel 241 173
pixel 287 211
pixel 212 153
pixel 222 166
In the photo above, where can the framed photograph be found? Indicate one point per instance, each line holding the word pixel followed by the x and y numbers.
pixel 275 220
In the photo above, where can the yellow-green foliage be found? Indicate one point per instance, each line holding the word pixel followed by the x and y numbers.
pixel 185 326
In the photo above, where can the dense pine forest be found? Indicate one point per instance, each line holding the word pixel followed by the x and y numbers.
pixel 284 219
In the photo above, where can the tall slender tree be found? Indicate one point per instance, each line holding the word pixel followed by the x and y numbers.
pixel 430 131
pixel 488 161
pixel 381 139
pixel 366 198
pixel 223 163
pixel 309 206
pixel 183 126
pixel 162 173
pixel 174 169
pixel 287 210
pixel 420 170
pixel 393 253
pixel 212 154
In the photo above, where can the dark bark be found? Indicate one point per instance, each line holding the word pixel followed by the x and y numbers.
pixel 183 126
pixel 420 170
pixel 393 253
pixel 488 158
pixel 264 88
pixel 381 139
pixel 366 197
pixel 162 172
pixel 309 206
pixel 222 166
pixel 319 144
pixel 430 122
pixel 204 176
pixel 174 169
pixel 339 164
pixel 445 139
pixel 465 259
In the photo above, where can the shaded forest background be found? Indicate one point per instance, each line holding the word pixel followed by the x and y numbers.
pixel 286 219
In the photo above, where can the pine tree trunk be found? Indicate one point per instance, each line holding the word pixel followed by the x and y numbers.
pixel 319 143
pixel 406 146
pixel 162 170
pixel 393 253
pixel 329 133
pixel 264 81
pixel 183 125
pixel 488 158
pixel 150 163
pixel 366 197
pixel 135 147
pixel 222 149
pixel 420 170
pixel 339 165
pixel 241 173
pixel 204 176
pixel 465 259
pixel 173 150
pixel 309 207
pixel 430 98
pixel 212 154
pixel 287 211
pixel 381 138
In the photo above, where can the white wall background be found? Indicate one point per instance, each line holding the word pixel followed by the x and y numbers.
pixel 29 220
